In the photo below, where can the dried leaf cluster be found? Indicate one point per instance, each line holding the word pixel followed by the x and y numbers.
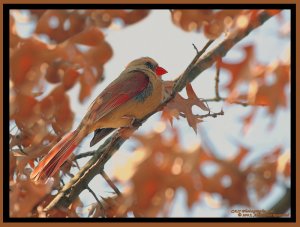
pixel 167 167
pixel 67 47
pixel 256 78
pixel 213 23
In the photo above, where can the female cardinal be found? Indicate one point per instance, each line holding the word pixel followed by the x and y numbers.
pixel 135 93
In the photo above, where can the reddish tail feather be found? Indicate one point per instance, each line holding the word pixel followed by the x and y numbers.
pixel 51 163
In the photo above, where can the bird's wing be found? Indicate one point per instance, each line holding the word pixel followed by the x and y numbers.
pixel 117 93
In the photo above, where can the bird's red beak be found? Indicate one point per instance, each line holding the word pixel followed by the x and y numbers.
pixel 160 71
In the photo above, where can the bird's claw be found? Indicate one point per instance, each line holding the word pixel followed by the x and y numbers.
pixel 134 123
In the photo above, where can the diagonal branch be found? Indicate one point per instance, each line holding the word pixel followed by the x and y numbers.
pixel 110 183
pixel 98 201
pixel 220 51
pixel 84 155
pixel 96 164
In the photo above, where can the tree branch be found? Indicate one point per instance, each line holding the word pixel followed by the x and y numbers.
pixel 218 99
pixel 221 50
pixel 80 181
pixel 98 201
pixel 214 115
pixel 96 164
pixel 217 79
pixel 85 154
pixel 110 183
pixel 284 204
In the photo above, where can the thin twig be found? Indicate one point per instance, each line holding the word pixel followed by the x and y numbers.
pixel 94 195
pixel 217 79
pixel 85 154
pixel 96 198
pixel 197 51
pixel 12 128
pixel 196 58
pixel 214 99
pixel 214 115
pixel 284 204
pixel 219 99
pixel 243 103
pixel 111 184
pixel 200 53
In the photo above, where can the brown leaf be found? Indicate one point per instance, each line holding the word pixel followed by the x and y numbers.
pixel 37 12
pixel 24 196
pixel 194 99
pixel 191 20
pixel 26 114
pixel 184 107
pixel 23 61
pixel 12 165
pixel 287 170
pixel 54 24
pixel 96 210
pixel 235 188
pixel 264 173
pixel 274 95
pixel 63 115
pixel 213 23
pixel 239 72
pixel 14 39
pixel 230 181
pixel 55 72
pixel 214 29
pixel 29 154
pixel 168 115
pixel 247 121
pixel 91 36
pixel 134 16
pixel 166 168
pixel 58 213
pixel 242 153
pixel 265 177
pixel 70 78
pixel 87 82
pixel 99 54
pixel 47 106
pixel 104 18
pixel 74 205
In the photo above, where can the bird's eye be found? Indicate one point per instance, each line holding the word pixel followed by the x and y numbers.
pixel 149 65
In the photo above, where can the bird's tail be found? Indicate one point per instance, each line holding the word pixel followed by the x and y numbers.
pixel 51 163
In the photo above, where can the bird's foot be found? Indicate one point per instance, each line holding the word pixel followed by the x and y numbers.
pixel 134 122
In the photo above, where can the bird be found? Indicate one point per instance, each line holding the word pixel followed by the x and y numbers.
pixel 137 91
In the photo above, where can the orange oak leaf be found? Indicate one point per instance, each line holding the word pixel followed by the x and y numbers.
pixel 242 71
pixel 24 195
pixel 183 107
pixel 274 95
pixel 212 22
